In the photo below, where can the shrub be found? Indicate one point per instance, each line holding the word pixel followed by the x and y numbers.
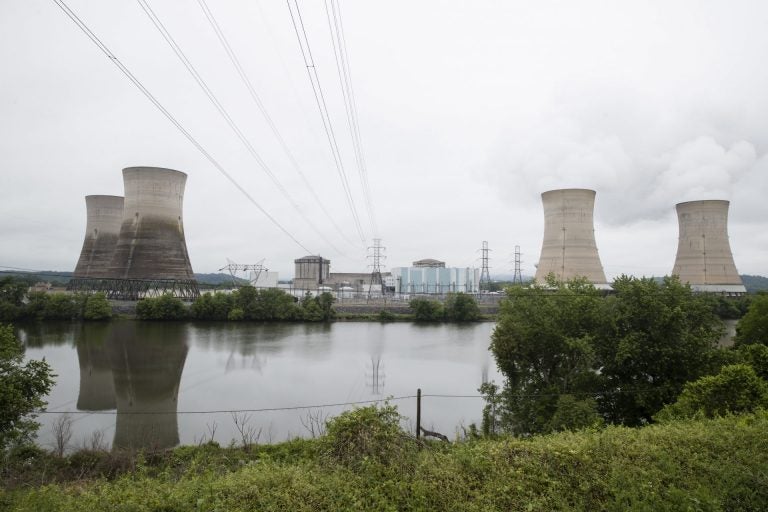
pixel 367 434
pixel 165 307
pixel 461 307
pixel 425 310
pixel 386 316
pixel 97 307
pixel 736 389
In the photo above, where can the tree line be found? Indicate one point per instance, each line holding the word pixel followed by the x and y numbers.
pixel 246 303
pixel 17 303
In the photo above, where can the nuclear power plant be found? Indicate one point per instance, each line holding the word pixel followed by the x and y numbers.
pixel 569 249
pixel 104 217
pixel 144 253
pixel 704 258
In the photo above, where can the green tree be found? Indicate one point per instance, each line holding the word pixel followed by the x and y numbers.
pixel 165 307
pixel 655 337
pixel 22 388
pixel 12 292
pixel 736 389
pixel 425 310
pixel 461 307
pixel 572 413
pixel 543 344
pixel 97 307
pixel 753 327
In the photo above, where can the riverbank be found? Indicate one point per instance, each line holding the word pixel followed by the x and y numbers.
pixel 690 465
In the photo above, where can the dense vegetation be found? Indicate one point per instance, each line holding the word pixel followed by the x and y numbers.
pixel 573 358
pixel 366 462
pixel 246 303
pixel 16 303
pixel 22 388
pixel 458 307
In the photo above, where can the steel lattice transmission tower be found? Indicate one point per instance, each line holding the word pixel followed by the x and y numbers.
pixel 234 268
pixel 376 256
pixel 518 277
pixel 485 275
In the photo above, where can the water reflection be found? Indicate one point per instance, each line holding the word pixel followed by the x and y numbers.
pixel 147 371
pixel 147 362
pixel 97 389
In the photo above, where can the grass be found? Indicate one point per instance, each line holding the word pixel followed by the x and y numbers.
pixel 707 465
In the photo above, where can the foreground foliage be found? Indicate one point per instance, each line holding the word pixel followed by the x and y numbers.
pixel 713 465
pixel 572 357
pixel 22 388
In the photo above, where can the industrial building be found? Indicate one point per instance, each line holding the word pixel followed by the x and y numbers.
pixel 435 279
pixel 569 249
pixel 104 218
pixel 150 256
pixel 310 272
pixel 704 258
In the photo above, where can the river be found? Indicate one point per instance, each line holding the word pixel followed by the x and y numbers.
pixel 153 384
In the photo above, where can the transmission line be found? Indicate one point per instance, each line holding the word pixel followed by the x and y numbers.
pixel 257 100
pixel 338 41
pixel 223 111
pixel 317 89
pixel 111 56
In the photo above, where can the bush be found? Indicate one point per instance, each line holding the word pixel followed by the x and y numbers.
pixel 386 316
pixel 97 307
pixel 425 310
pixel 461 307
pixel 736 389
pixel 367 434
pixel 165 307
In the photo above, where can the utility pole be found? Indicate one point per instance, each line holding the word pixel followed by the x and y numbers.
pixel 485 275
pixel 376 256
pixel 518 277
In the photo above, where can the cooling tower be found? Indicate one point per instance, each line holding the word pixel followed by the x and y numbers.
pixel 105 216
pixel 151 244
pixel 704 258
pixel 569 248
pixel 97 389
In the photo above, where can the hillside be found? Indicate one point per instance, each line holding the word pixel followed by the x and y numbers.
pixel 755 283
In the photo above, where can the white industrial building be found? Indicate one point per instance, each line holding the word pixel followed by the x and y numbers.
pixel 435 279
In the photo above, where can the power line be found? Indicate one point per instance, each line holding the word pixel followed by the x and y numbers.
pixel 225 114
pixel 84 28
pixel 338 41
pixel 317 89
pixel 229 411
pixel 635 392
pixel 257 100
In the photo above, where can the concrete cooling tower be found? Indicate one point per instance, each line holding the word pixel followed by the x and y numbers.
pixel 151 244
pixel 569 249
pixel 105 216
pixel 704 258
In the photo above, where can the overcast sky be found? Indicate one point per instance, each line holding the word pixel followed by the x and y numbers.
pixel 467 112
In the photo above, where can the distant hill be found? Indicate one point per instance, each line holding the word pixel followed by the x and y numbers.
pixel 218 279
pixel 755 283
pixel 62 278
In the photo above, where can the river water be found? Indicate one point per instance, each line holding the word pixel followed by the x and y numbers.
pixel 152 385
